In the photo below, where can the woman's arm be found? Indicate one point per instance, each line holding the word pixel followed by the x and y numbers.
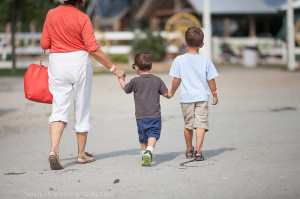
pixel 46 39
pixel 102 58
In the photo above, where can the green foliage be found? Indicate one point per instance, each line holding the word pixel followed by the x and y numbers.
pixel 150 42
pixel 26 10
pixel 7 72
pixel 119 58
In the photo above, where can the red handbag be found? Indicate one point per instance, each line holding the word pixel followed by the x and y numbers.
pixel 36 85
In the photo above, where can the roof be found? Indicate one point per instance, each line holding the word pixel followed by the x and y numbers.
pixel 217 6
pixel 240 6
pixel 107 8
pixel 150 6
pixel 296 5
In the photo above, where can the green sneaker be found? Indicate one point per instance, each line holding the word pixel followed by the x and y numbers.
pixel 147 158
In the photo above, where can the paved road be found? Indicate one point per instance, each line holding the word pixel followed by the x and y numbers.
pixel 251 150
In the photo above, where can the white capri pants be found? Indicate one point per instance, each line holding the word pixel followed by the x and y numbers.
pixel 67 72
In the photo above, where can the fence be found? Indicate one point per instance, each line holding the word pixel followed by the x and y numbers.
pixel 224 49
pixel 230 50
pixel 26 47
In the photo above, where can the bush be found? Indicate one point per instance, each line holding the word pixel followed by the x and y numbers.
pixel 149 42
pixel 119 58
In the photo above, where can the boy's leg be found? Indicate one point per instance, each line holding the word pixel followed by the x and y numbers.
pixel 151 142
pixel 147 156
pixel 144 146
pixel 200 133
pixel 142 136
pixel 153 129
pixel 188 135
pixel 201 125
pixel 188 112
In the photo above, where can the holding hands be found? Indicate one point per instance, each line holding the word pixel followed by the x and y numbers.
pixel 119 73
pixel 102 58
pixel 170 95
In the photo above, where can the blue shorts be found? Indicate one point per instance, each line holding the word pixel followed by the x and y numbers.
pixel 148 127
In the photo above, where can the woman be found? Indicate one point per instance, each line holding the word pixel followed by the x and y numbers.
pixel 69 35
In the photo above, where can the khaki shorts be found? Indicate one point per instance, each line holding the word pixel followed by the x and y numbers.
pixel 195 115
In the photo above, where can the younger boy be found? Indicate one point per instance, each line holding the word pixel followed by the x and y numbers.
pixel 147 89
pixel 193 72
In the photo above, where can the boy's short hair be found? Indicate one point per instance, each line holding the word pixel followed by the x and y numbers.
pixel 194 37
pixel 143 60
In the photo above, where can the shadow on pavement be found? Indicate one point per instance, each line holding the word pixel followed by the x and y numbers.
pixel 5 111
pixel 209 154
pixel 104 155
pixel 157 159
pixel 161 158
pixel 216 152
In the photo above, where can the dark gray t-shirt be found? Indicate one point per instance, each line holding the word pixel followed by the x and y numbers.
pixel 147 90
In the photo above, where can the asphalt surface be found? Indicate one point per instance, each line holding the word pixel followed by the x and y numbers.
pixel 251 150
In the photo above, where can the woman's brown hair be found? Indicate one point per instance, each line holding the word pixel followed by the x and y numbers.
pixel 80 3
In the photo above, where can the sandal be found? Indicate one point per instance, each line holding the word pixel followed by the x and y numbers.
pixel 90 155
pixel 189 153
pixel 87 158
pixel 199 156
pixel 54 161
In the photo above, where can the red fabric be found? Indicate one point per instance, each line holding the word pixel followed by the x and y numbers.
pixel 36 85
pixel 67 29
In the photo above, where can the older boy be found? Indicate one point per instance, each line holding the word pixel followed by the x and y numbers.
pixel 147 89
pixel 193 72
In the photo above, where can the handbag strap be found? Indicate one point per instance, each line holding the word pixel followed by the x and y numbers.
pixel 42 57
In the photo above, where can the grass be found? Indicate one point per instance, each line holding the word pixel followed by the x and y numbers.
pixel 7 72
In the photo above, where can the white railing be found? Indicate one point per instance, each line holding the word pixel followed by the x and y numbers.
pixel 269 50
pixel 267 47
pixel 106 39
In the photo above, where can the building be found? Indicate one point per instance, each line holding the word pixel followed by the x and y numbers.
pixel 229 17
pixel 109 15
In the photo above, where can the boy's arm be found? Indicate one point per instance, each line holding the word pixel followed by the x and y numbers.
pixel 175 84
pixel 122 82
pixel 166 95
pixel 212 85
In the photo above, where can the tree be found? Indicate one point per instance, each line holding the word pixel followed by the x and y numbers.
pixel 25 11
pixel 151 42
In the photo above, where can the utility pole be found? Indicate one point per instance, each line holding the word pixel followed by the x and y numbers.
pixel 207 27
pixel 290 36
pixel 13 34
